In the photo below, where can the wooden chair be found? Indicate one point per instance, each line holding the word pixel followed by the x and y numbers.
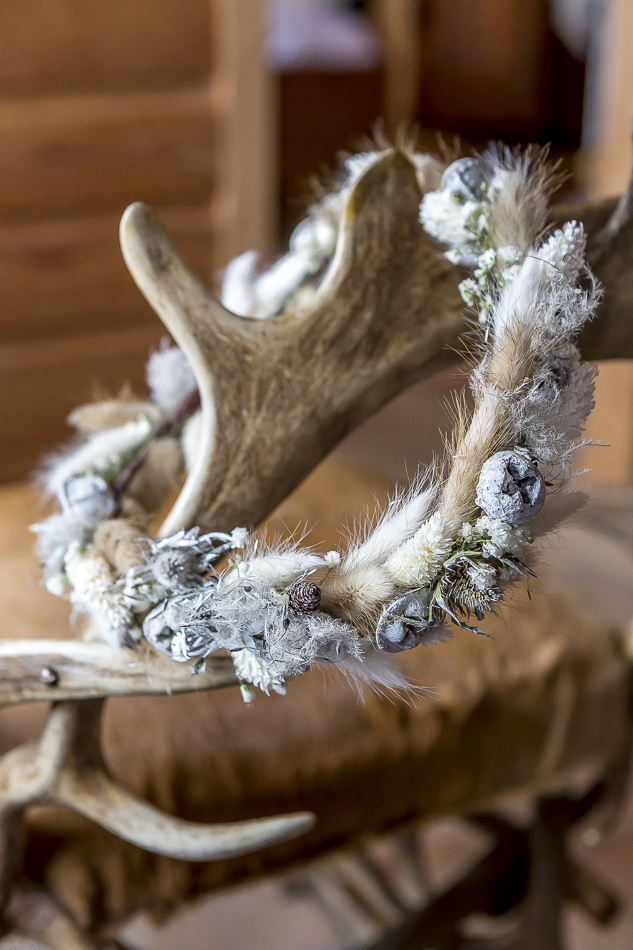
pixel 543 710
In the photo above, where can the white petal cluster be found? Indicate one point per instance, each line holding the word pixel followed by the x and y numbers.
pixel 332 559
pixel 239 537
pixel 258 672
pixel 503 539
pixel 483 576
pixel 447 220
pixel 564 252
pixel 416 562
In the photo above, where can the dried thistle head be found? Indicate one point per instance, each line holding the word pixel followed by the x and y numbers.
pixel 471 585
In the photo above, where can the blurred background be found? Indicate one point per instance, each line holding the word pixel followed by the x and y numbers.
pixel 220 113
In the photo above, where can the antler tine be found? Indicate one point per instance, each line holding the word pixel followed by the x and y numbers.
pixel 85 786
pixel 190 312
pixel 66 768
pixel 278 394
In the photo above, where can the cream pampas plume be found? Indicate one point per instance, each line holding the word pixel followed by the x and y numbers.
pixel 363 581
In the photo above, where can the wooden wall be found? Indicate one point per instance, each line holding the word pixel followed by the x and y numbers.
pixel 607 166
pixel 104 102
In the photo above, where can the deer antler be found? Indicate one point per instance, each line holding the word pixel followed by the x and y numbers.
pixel 32 670
pixel 278 394
pixel 66 768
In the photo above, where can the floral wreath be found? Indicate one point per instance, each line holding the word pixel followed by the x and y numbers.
pixel 442 553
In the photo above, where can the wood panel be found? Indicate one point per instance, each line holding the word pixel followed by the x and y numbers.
pixel 55 46
pixel 41 381
pixel 105 102
pixel 607 169
pixel 85 153
pixel 482 63
pixel 66 276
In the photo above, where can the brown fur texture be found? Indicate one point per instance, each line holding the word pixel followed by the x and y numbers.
pixel 117 540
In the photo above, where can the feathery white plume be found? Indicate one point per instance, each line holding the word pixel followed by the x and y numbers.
pixel 418 560
pixel 98 455
pixel 399 522
pixel 279 569
pixel 238 286
pixel 170 378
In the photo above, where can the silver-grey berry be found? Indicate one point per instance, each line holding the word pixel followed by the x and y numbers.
pixel 510 487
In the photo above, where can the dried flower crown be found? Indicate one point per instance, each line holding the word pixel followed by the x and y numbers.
pixel 443 552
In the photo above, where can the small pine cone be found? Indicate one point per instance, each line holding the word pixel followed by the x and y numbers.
pixel 304 597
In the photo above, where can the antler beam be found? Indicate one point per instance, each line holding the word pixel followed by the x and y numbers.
pixel 278 394
pixel 66 768
pixel 37 670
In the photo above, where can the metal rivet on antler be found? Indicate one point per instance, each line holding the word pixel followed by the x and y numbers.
pixel 404 623
pixel 49 676
pixel 304 597
pixel 510 488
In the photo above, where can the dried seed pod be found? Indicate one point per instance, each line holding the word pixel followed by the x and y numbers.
pixel 171 628
pixel 466 180
pixel 404 623
pixel 510 487
pixel 87 497
pixel 560 370
pixel 304 597
pixel 179 569
pixel 471 585
pixel 254 636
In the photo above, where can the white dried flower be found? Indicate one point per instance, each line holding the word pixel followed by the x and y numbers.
pixel 504 538
pixel 468 289
pixel 258 671
pixel 509 254
pixel 239 537
pixel 454 255
pixel 170 378
pixel 564 251
pixel 417 561
pixel 91 580
pixel 483 576
pixel 448 221
pixel 332 559
pixel 487 260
